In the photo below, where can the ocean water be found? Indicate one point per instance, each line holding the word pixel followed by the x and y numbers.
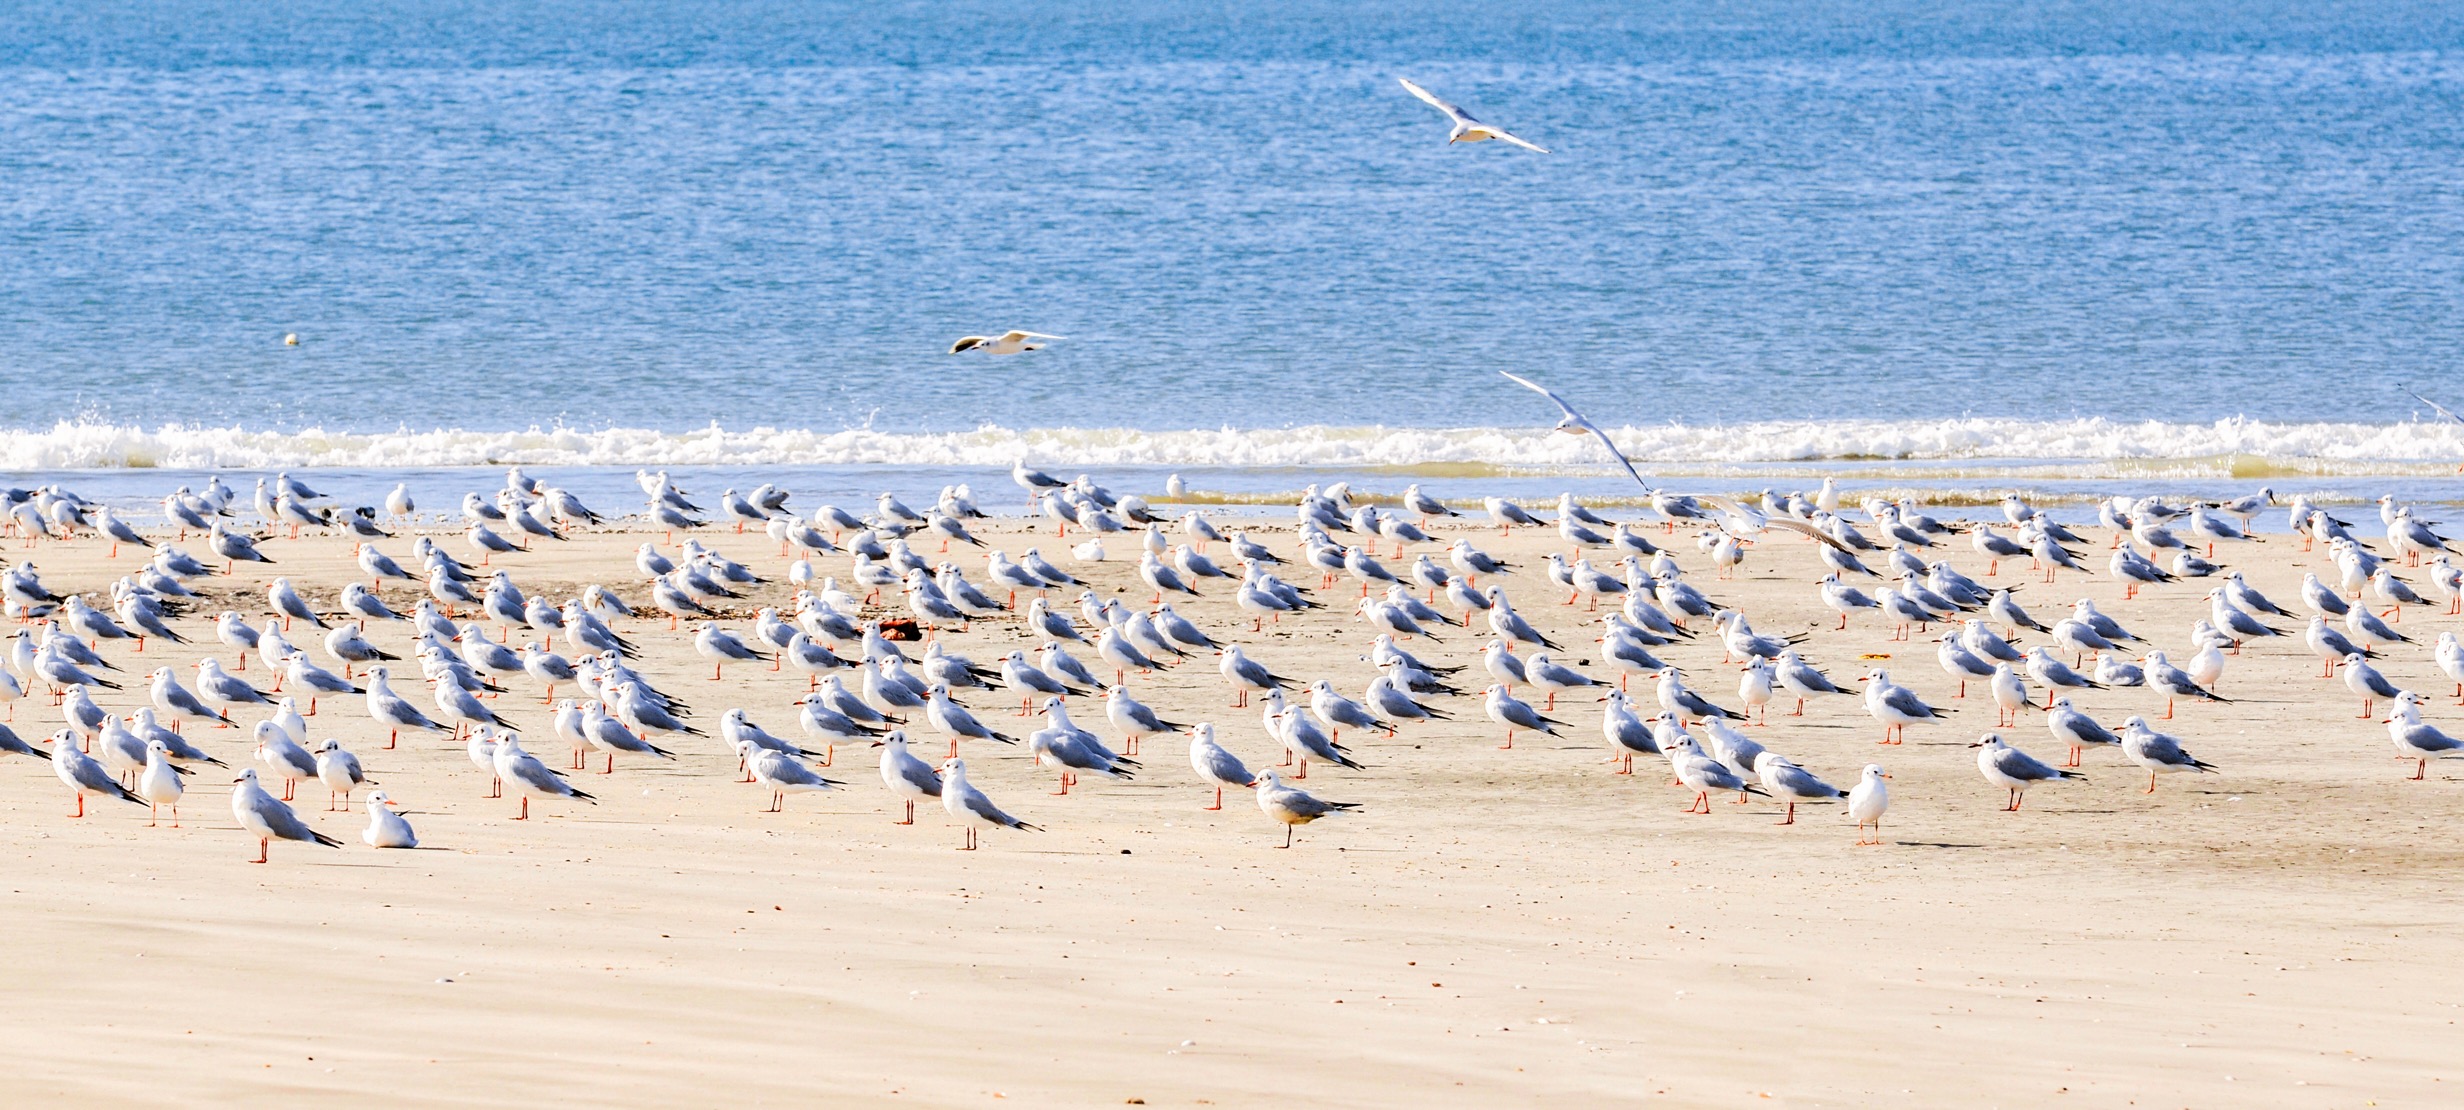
pixel 1952 246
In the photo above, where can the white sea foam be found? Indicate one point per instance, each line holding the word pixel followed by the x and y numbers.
pixel 1971 448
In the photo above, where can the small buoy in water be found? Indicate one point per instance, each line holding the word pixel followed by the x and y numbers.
pixel 291 340
pixel 1174 488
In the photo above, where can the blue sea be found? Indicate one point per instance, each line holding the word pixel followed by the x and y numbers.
pixel 1954 247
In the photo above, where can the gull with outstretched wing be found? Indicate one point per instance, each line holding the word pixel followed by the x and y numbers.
pixel 2442 410
pixel 1007 343
pixel 1466 129
pixel 1575 423
pixel 1746 522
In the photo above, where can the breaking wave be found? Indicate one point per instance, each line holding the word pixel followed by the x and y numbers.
pixel 1965 448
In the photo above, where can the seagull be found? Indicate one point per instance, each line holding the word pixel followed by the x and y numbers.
pixel 523 771
pixel 1801 679
pixel 2077 730
pixel 736 726
pixel 179 704
pixel 1075 750
pixel 1746 522
pixel 782 773
pixel 482 750
pixel 386 828
pixel 1006 343
pixel 1294 806
pixel 2006 609
pixel 2363 679
pixel 2440 409
pixel 1792 784
pixel 2014 770
pixel 389 709
pixel 1214 764
pixel 721 646
pixel 178 751
pixel 1703 774
pixel 2050 672
pixel 82 774
pixel 1961 663
pixel 1686 704
pixel 1868 800
pixel 1627 733
pixel 2176 682
pixel 610 736
pixel 954 721
pixel 1466 129
pixel 1135 720
pixel 969 805
pixel 265 816
pixel 1895 706
pixel 1572 423
pixel 1551 676
pixel 339 770
pixel 1246 674
pixel 2159 753
pixel 1510 625
pixel 907 777
pixel 1507 710
pixel 279 752
pixel 2416 740
pixel 1302 737
pixel 1843 598
pixel 1338 711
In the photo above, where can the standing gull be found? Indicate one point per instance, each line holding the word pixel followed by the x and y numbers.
pixel 2159 753
pixel 1215 764
pixel 1792 784
pixel 2416 740
pixel 1294 806
pixel 970 807
pixel 268 819
pixel 2014 770
pixel 907 777
pixel 159 783
pixel 529 777
pixel 82 774
pixel 1868 800
pixel 2077 730
pixel 782 773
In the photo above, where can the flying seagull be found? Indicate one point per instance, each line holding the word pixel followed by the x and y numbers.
pixel 2442 410
pixel 1576 423
pixel 1747 522
pixel 1466 129
pixel 1006 343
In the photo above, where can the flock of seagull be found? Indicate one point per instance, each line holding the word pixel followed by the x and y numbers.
pixel 875 666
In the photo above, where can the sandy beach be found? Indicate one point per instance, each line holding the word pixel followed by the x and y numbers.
pixel 1494 927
